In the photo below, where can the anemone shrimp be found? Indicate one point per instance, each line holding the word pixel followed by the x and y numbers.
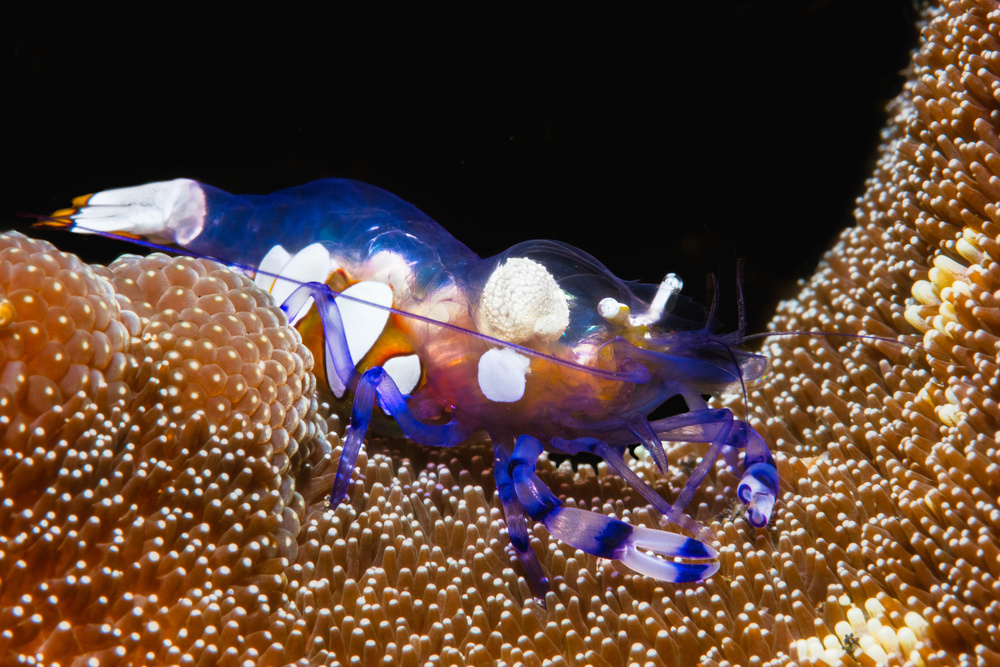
pixel 540 347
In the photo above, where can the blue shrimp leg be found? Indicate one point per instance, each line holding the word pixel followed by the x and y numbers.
pixel 517 524
pixel 614 458
pixel 335 338
pixel 604 536
pixel 758 487
pixel 636 422
pixel 374 384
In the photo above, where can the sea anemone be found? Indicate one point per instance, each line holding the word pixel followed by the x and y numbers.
pixel 153 414
pixel 165 468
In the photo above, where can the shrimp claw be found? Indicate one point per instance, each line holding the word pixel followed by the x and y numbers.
pixel 759 486
pixel 603 536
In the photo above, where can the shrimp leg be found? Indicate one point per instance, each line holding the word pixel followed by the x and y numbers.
pixel 758 487
pixel 374 384
pixel 614 457
pixel 517 524
pixel 604 536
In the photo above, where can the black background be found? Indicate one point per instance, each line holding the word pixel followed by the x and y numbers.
pixel 726 130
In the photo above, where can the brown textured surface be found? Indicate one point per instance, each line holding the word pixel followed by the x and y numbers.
pixel 900 502
pixel 143 528
pixel 144 518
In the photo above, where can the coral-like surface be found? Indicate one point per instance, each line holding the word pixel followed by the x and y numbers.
pixel 165 464
pixel 151 415
pixel 891 466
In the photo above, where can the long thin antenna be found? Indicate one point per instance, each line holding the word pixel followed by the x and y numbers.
pixel 715 300
pixel 740 303
pixel 740 333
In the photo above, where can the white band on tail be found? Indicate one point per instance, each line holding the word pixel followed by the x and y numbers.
pixel 172 211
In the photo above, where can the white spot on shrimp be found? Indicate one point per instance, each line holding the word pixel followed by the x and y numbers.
pixel 502 375
pixel 274 261
pixel 522 300
pixel 363 324
pixel 391 268
pixel 404 371
pixel 311 264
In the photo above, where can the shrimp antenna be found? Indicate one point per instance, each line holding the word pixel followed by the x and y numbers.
pixel 741 306
pixel 826 334
pixel 712 285
pixel 741 330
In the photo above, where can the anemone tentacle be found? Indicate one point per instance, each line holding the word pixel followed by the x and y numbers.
pixel 884 543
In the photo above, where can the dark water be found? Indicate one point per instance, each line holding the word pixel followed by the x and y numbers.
pixel 740 131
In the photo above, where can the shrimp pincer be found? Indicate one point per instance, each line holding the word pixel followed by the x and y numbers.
pixel 541 347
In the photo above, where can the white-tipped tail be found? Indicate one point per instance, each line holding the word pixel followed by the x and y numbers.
pixel 171 211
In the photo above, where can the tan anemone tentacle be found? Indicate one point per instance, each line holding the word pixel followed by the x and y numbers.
pixel 173 519
pixel 892 499
pixel 152 415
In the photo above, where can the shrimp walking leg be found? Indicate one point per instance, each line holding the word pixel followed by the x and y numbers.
pixel 758 487
pixel 335 340
pixel 614 457
pixel 375 384
pixel 517 524
pixel 673 558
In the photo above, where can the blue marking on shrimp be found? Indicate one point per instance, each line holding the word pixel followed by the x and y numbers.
pixel 540 347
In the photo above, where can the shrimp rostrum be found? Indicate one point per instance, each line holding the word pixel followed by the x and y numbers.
pixel 541 347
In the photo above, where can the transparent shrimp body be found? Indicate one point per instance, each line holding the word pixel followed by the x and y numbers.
pixel 541 347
